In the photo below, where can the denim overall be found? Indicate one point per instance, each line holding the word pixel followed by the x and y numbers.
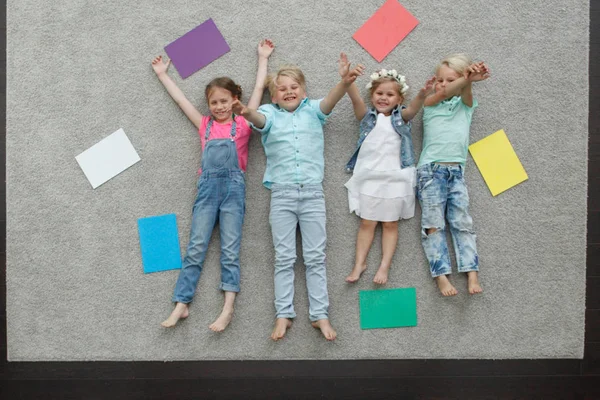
pixel 221 195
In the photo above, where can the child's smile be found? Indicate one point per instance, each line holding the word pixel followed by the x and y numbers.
pixel 386 97
pixel 289 93
pixel 219 104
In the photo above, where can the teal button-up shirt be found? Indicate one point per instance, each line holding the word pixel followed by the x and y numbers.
pixel 293 143
pixel 446 131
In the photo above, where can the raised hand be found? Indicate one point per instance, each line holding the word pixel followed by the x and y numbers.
pixel 477 72
pixel 238 107
pixel 159 66
pixel 354 73
pixel 349 76
pixel 343 65
pixel 265 48
pixel 428 87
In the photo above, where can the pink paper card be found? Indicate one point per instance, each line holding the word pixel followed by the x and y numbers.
pixel 385 29
pixel 197 48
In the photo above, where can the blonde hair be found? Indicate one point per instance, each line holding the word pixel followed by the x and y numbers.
pixel 291 71
pixel 375 84
pixel 457 62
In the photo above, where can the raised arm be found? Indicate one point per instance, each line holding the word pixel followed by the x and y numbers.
pixel 474 73
pixel 417 103
pixel 461 86
pixel 160 68
pixel 338 91
pixel 251 115
pixel 265 48
pixel 360 109
pixel 452 89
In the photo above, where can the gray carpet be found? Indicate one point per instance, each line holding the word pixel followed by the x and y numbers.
pixel 78 71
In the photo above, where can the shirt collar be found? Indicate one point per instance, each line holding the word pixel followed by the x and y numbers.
pixel 451 99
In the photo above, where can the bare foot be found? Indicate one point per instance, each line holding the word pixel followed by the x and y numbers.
pixel 280 328
pixel 445 286
pixel 357 271
pixel 181 311
pixel 473 283
pixel 224 319
pixel 326 328
pixel 381 276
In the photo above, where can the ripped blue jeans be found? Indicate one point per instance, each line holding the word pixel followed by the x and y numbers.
pixel 443 195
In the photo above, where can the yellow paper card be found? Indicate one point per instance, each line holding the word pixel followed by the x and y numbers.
pixel 498 162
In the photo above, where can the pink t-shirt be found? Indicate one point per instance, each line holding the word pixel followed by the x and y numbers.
pixel 223 131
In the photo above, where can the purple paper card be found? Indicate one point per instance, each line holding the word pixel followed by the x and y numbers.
pixel 197 48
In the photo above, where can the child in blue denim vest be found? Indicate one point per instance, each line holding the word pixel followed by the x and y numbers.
pixel 441 190
pixel 382 187
pixel 221 188
pixel 292 136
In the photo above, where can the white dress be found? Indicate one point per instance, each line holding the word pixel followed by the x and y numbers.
pixel 379 190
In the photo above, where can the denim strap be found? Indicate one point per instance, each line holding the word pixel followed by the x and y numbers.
pixel 210 123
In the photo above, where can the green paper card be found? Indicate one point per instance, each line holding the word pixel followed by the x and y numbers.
pixel 389 308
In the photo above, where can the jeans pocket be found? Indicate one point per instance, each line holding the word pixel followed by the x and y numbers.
pixel 238 178
pixel 216 154
pixel 277 194
pixel 201 180
pixel 424 181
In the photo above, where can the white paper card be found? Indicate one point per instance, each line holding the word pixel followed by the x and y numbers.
pixel 107 158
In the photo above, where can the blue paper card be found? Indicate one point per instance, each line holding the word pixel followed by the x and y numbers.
pixel 159 242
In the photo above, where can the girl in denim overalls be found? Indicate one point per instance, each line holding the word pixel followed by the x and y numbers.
pixel 382 186
pixel 221 187
pixel 441 187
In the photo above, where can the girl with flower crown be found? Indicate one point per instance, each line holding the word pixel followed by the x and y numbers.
pixel 382 187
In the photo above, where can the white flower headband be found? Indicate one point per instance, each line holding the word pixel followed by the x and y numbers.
pixel 392 74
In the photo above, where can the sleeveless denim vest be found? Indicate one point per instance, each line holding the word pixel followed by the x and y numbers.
pixel 407 153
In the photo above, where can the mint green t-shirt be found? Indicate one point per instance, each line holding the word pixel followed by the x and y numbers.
pixel 446 131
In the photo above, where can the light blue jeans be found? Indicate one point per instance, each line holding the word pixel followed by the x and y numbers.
pixel 442 193
pixel 304 205
pixel 221 195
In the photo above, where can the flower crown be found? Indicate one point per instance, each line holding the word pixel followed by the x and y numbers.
pixel 392 74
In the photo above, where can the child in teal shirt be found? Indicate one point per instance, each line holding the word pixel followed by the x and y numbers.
pixel 292 136
pixel 441 188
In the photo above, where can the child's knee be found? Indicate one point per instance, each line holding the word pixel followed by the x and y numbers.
pixel 313 255
pixel 390 225
pixel 368 224
pixel 464 223
pixel 284 261
pixel 429 231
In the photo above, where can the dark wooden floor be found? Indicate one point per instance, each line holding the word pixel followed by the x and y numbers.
pixel 397 379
